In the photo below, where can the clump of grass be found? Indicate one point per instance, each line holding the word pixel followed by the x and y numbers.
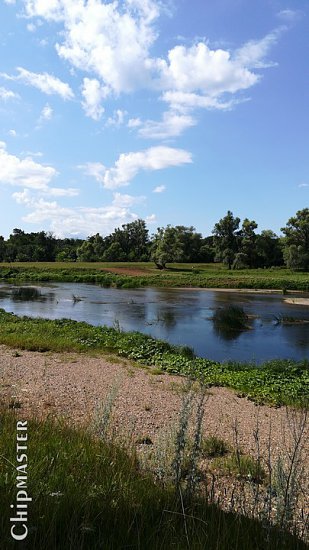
pixel 213 446
pixel 231 318
pixel 242 466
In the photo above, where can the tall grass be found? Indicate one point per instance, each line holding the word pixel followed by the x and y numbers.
pixel 89 493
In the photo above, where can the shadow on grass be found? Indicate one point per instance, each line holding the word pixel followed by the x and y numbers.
pixel 90 494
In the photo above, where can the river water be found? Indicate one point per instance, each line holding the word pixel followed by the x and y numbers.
pixel 180 316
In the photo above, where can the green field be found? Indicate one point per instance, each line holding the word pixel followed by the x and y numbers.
pixel 134 275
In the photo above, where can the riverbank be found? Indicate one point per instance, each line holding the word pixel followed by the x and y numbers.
pixel 142 410
pixel 275 382
pixel 131 275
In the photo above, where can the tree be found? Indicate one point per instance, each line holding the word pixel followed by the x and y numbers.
pixel 248 244
pixel 296 242
pixel 166 247
pixel 268 249
pixel 226 237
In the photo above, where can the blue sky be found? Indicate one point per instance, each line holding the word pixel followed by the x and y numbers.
pixel 173 112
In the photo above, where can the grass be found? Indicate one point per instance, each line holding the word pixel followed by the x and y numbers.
pixel 230 318
pixel 242 466
pixel 276 382
pixel 89 493
pixel 213 446
pixel 177 275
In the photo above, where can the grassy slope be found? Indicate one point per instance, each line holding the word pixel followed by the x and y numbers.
pixel 89 494
pixel 278 382
pixel 178 275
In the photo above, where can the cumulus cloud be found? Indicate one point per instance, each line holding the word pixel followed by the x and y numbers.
pixel 46 83
pixel 171 125
pixel 112 41
pixel 12 133
pixel 129 164
pixel 65 221
pixel 159 189
pixel 155 158
pixel 93 93
pixel 23 172
pixel 7 94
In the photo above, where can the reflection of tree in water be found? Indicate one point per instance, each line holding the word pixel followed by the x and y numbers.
pixel 30 294
pixel 230 321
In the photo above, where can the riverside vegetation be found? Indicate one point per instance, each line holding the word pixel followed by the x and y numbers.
pixel 276 382
pixel 144 274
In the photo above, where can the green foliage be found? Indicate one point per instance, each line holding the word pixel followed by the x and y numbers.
pixel 296 246
pixel 179 275
pixel 231 318
pixel 225 238
pixel 243 466
pixel 213 446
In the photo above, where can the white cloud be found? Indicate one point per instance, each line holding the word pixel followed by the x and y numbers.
pixel 65 221
pixel 289 16
pixel 117 119
pixel 183 101
pixel 93 93
pixel 253 53
pixel 156 158
pixel 171 125
pixel 9 2
pixel 105 39
pixel 46 114
pixel 126 201
pixel 46 83
pixel 151 219
pixel 94 169
pixel 23 172
pixel 303 185
pixel 159 189
pixel 12 133
pixel 31 27
pixel 7 94
pixel 112 41
pixel 134 123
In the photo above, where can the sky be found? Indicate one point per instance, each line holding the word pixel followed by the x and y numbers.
pixel 170 111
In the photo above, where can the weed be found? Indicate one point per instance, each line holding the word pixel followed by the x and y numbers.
pixel 213 446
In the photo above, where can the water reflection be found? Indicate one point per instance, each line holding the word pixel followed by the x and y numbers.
pixel 183 317
pixel 30 294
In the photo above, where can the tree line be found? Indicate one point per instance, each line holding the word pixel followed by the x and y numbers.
pixel 237 245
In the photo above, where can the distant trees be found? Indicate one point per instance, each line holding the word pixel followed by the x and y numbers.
pixel 238 246
pixel 296 241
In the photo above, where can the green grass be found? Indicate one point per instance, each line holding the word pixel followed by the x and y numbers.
pixel 177 275
pixel 276 382
pixel 213 446
pixel 242 466
pixel 91 494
